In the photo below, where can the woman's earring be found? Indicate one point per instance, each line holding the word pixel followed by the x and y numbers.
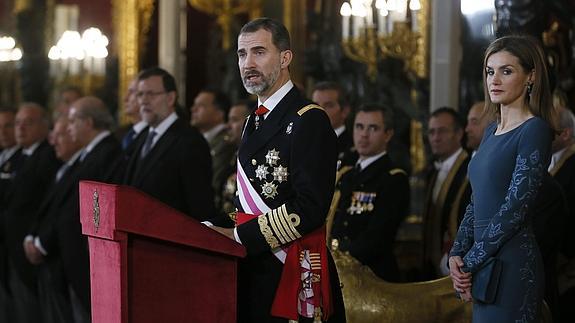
pixel 529 88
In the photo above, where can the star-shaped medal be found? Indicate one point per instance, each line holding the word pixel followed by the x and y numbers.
pixel 272 157
pixel 269 190
pixel 262 172
pixel 280 173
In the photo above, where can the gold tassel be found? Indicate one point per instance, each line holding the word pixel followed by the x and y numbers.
pixel 317 315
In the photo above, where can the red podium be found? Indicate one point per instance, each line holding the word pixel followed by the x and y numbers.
pixel 151 263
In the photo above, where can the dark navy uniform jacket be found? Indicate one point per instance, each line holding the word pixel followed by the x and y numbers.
pixel 373 204
pixel 290 160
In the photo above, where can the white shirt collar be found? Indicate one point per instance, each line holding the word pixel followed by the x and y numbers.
pixel 30 150
pixel 163 127
pixel 210 134
pixel 138 127
pixel 275 98
pixel 449 161
pixel 363 163
pixel 556 157
pixel 7 153
pixel 99 137
pixel 339 130
pixel 74 157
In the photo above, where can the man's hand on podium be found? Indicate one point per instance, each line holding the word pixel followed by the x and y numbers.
pixel 228 232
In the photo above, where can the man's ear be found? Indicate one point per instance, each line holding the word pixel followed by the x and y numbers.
pixel 172 96
pixel 286 57
pixel 389 134
pixel 346 110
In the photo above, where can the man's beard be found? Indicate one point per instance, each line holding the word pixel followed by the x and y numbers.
pixel 266 82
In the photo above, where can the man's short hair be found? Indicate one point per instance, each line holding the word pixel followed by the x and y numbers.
pixel 567 120
pixel 221 101
pixel 95 109
pixel 457 120
pixel 280 35
pixel 386 113
pixel 250 104
pixel 167 79
pixel 329 85
pixel 44 116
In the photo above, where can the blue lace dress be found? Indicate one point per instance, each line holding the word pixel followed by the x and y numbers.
pixel 505 175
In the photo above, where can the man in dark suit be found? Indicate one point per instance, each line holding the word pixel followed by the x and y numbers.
pixel 29 187
pixel 89 126
pixel 128 134
pixel 172 160
pixel 8 146
pixel 9 156
pixel 332 98
pixel 374 196
pixel 562 168
pixel 209 116
pixel 41 243
pixel 446 179
pixel 286 174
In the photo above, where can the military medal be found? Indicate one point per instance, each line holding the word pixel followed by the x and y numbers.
pixel 280 173
pixel 257 122
pixel 262 172
pixel 289 127
pixel 272 157
pixel 269 190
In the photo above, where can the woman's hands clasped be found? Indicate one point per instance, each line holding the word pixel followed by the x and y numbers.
pixel 461 280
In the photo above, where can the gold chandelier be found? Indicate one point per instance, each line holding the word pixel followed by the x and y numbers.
pixel 373 30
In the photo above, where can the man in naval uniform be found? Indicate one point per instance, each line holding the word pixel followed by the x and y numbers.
pixel 286 176
pixel 331 97
pixel 374 196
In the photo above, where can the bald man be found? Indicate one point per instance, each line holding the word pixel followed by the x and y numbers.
pixel 28 189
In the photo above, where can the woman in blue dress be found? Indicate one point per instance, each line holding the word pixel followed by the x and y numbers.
pixel 505 175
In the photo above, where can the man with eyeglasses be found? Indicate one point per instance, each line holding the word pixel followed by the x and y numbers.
pixel 447 180
pixel 374 196
pixel 29 186
pixel 171 161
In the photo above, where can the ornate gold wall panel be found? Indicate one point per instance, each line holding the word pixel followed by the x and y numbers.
pixel 420 61
pixel 225 10
pixel 131 23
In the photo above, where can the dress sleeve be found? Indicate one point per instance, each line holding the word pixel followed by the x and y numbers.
pixel 530 166
pixel 464 238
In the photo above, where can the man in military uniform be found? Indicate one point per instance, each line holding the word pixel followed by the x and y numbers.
pixel 209 116
pixel 236 120
pixel 331 97
pixel 374 196
pixel 286 176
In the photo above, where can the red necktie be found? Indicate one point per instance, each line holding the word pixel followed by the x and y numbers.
pixel 261 110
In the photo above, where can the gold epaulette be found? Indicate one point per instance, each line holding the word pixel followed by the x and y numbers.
pixel 309 107
pixel 397 171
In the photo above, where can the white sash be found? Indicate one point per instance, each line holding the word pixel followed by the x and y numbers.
pixel 252 203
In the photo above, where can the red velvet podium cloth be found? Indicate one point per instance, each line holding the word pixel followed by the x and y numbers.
pixel 151 263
